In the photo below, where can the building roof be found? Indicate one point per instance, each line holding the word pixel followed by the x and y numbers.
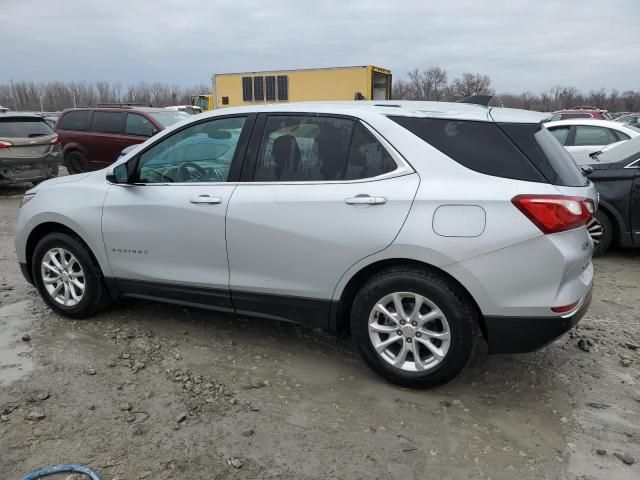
pixel 384 70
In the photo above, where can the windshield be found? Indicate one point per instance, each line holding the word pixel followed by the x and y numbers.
pixel 626 150
pixel 169 117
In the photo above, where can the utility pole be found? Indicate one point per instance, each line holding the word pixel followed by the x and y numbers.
pixel 13 96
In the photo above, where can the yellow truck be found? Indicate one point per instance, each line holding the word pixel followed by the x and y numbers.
pixel 365 82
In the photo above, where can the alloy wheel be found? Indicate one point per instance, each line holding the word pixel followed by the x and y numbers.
pixel 596 230
pixel 63 277
pixel 409 331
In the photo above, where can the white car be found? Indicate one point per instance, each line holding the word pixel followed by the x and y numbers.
pixel 584 136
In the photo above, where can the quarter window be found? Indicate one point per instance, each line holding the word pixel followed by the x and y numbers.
pixel 199 153
pixel 589 135
pixel 138 125
pixel 106 122
pixel 77 120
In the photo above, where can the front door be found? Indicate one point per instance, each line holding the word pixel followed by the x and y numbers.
pixel 634 204
pixel 324 193
pixel 165 233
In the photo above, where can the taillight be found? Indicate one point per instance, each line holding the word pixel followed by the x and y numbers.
pixel 4 144
pixel 555 213
pixel 55 140
pixel 565 308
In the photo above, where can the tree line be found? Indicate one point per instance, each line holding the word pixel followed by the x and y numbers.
pixel 54 96
pixel 433 83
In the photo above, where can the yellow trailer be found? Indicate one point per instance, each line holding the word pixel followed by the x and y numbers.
pixel 335 83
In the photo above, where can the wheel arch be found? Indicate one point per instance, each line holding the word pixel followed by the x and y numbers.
pixel 45 228
pixel 341 308
pixel 616 220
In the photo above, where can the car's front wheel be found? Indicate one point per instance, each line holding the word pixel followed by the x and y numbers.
pixel 67 277
pixel 413 327
pixel 601 232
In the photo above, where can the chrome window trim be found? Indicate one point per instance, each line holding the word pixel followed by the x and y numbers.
pixel 634 164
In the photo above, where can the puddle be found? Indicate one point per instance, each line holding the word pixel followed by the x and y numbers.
pixel 15 360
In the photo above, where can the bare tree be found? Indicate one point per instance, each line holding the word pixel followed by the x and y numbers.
pixel 471 84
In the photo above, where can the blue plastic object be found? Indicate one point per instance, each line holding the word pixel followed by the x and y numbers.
pixel 45 472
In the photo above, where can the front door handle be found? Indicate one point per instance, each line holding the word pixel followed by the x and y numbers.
pixel 365 200
pixel 206 200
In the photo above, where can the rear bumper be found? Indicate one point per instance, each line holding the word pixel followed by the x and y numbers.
pixel 527 334
pixel 19 170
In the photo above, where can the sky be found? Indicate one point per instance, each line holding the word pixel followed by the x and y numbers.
pixel 523 45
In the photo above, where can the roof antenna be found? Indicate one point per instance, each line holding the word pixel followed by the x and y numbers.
pixel 477 100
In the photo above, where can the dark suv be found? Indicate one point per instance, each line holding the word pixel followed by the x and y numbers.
pixel 92 138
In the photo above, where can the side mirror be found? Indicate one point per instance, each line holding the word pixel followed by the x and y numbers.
pixel 118 174
pixel 586 169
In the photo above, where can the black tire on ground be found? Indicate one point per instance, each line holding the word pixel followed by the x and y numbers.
pixel 606 234
pixel 96 296
pixel 76 162
pixel 461 315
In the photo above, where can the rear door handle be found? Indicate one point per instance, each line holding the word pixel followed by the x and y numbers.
pixel 365 200
pixel 206 200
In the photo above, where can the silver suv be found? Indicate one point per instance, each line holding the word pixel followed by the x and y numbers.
pixel 413 225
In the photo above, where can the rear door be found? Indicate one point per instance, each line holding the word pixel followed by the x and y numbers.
pixel 319 193
pixel 634 203
pixel 106 141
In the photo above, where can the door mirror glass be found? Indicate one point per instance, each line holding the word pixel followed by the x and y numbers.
pixel 119 174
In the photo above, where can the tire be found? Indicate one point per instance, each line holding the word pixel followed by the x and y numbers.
pixel 601 232
pixel 459 317
pixel 94 297
pixel 76 162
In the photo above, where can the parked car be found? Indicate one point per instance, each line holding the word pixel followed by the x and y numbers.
pixel 93 138
pixel 616 175
pixel 632 119
pixel 29 149
pixel 580 112
pixel 411 224
pixel 581 136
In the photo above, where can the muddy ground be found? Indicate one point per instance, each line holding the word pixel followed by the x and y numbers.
pixel 155 391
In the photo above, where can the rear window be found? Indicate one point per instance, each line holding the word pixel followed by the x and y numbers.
pixel 78 120
pixel 546 153
pixel 24 128
pixel 480 146
pixel 106 122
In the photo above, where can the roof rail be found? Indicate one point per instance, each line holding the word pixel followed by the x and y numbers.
pixel 117 105
pixel 477 100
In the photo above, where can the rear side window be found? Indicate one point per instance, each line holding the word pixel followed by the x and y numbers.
pixel 561 134
pixel 78 120
pixel 303 148
pixel 543 149
pixel 480 146
pixel 588 135
pixel 106 122
pixel 23 128
pixel 367 157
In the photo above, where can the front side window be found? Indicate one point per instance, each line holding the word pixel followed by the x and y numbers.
pixel 138 125
pixel 199 153
pixel 590 135
pixel 106 122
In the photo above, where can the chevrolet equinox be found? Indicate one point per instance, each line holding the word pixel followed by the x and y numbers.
pixel 413 225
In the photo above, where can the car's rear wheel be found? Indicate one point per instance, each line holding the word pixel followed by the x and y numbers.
pixel 67 277
pixel 76 162
pixel 413 327
pixel 601 231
